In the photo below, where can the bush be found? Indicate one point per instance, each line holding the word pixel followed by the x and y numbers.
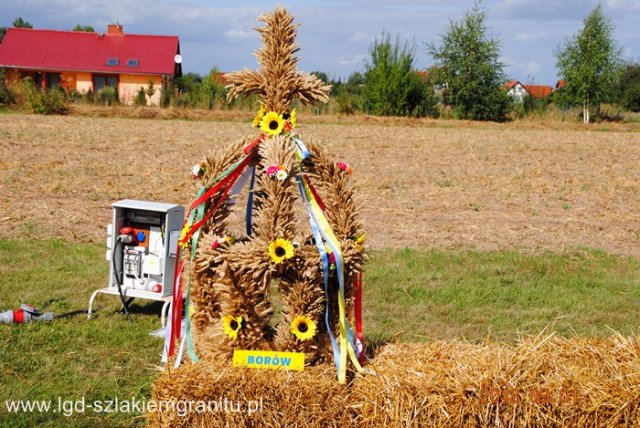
pixel 108 96
pixel 48 101
pixel 88 97
pixel 141 97
pixel 5 95
pixel 348 103
pixel 20 91
pixel 150 90
pixel 392 86
pixel 631 100
pixel 166 95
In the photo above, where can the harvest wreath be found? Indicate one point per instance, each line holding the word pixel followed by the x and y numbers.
pixel 315 265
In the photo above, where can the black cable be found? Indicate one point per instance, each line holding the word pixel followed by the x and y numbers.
pixel 119 278
pixel 70 314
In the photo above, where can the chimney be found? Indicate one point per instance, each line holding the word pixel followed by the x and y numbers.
pixel 114 30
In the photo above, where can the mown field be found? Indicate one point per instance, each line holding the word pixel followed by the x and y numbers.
pixel 424 183
pixel 475 230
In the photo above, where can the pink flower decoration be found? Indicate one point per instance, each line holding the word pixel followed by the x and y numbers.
pixel 344 167
pixel 277 171
pixel 273 170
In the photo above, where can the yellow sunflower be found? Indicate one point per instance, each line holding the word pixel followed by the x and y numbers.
pixel 292 118
pixel 280 249
pixel 183 234
pixel 272 123
pixel 303 327
pixel 232 325
pixel 258 118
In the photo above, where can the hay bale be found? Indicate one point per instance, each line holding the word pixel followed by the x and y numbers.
pixel 541 381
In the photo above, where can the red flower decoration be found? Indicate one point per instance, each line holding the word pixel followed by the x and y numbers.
pixel 344 167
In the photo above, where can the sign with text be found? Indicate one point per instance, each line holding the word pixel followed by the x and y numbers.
pixel 268 360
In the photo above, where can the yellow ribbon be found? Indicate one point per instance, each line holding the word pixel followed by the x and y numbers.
pixel 345 346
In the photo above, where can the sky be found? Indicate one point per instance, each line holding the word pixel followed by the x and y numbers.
pixel 335 35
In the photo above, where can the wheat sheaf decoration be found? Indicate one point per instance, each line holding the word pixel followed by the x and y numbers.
pixel 292 282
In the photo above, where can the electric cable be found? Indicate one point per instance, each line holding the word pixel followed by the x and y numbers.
pixel 118 276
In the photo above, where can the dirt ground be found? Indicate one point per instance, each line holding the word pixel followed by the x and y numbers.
pixel 424 183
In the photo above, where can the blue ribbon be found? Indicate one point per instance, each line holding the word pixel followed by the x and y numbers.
pixel 249 213
pixel 317 236
pixel 303 152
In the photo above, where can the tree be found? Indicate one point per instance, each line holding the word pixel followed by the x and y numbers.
pixel 151 89
pixel 17 23
pixel 321 75
pixel 588 62
pixel 21 23
pixel 469 70
pixel 627 86
pixel 392 87
pixel 85 28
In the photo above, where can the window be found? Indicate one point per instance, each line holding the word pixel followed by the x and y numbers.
pixel 112 62
pixel 133 62
pixel 53 79
pixel 50 79
pixel 101 80
pixel 37 79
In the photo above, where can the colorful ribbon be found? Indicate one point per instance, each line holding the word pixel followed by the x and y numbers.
pixel 346 340
pixel 249 213
pixel 317 237
pixel 357 307
pixel 195 218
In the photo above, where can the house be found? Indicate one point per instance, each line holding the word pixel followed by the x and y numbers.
pixel 86 61
pixel 518 91
pixel 539 92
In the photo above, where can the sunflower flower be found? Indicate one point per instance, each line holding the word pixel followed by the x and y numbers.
pixel 292 118
pixel 280 250
pixel 183 235
pixel 272 123
pixel 303 327
pixel 232 325
pixel 258 118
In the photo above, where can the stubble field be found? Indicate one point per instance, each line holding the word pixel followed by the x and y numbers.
pixel 429 184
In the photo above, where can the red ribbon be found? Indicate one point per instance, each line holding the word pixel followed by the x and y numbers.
pixel 251 146
pixel 357 303
pixel 176 308
pixel 227 184
pixel 316 196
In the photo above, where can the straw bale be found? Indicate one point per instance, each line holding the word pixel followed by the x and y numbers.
pixel 542 381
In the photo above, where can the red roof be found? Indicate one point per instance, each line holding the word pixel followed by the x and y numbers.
pixel 539 91
pixel 53 50
pixel 510 84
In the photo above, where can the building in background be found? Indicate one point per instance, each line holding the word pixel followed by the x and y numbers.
pixel 87 61
pixel 518 91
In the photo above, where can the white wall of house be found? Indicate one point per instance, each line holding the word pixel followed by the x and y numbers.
pixel 518 92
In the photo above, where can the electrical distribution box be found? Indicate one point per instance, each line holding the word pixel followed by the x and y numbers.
pixel 148 262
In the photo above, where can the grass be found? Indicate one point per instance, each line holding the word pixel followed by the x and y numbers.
pixel 420 295
pixel 411 294
pixel 99 359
